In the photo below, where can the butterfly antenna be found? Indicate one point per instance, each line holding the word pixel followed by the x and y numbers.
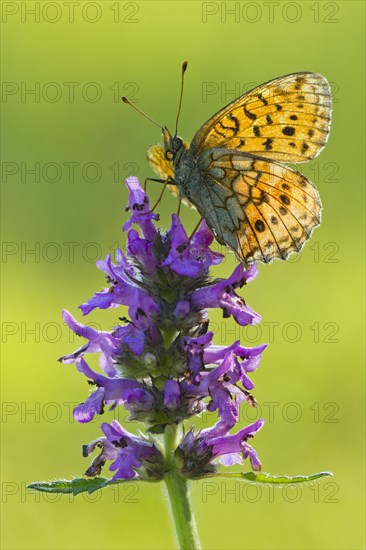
pixel 184 68
pixel 125 100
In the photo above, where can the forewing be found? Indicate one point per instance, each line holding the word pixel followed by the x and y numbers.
pixel 261 209
pixel 286 119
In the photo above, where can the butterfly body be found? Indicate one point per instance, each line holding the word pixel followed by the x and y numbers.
pixel 193 178
pixel 233 170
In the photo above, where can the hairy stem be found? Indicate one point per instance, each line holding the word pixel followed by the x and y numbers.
pixel 179 496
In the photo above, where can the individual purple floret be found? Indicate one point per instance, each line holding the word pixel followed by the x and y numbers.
pixel 128 452
pixel 198 450
pixel 161 364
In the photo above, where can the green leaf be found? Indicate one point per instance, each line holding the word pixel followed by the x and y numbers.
pixel 282 480
pixel 274 480
pixel 74 486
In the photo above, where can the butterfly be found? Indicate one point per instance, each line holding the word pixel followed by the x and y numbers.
pixel 233 171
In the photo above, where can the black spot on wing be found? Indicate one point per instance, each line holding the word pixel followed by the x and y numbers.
pixel 285 199
pixel 235 121
pixel 288 130
pixel 268 144
pixel 304 147
pixel 263 100
pixel 269 119
pixel 247 113
pixel 260 226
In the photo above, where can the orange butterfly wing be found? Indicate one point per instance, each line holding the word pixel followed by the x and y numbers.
pixel 272 208
pixel 255 205
pixel 286 119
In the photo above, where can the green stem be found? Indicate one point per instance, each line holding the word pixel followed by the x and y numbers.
pixel 179 497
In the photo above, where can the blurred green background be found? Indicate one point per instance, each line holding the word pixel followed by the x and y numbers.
pixel 81 142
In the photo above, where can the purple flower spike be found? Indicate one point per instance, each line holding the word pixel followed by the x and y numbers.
pixel 162 364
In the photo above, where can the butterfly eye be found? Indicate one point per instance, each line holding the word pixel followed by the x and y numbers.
pixel 176 143
pixel 168 155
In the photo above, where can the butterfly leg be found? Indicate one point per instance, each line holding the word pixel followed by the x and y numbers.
pixel 195 229
pixel 179 205
pixel 160 196
pixel 168 181
pixel 152 179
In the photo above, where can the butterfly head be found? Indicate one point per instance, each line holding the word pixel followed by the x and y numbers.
pixel 172 144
